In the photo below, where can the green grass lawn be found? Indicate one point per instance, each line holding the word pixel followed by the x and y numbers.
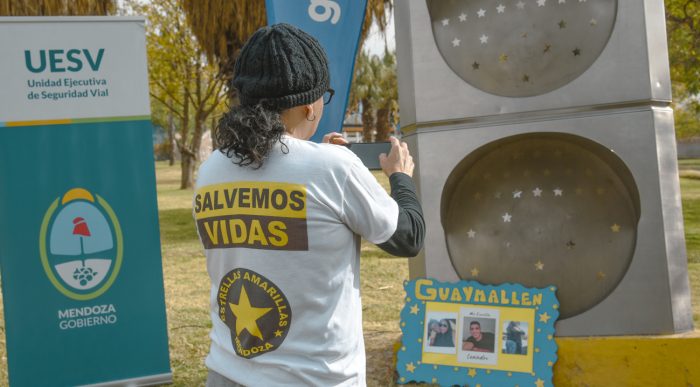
pixel 187 283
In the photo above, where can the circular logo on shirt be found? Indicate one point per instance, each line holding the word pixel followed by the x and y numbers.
pixel 255 310
pixel 81 244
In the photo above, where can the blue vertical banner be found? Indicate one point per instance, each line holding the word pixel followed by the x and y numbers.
pixel 82 278
pixel 337 25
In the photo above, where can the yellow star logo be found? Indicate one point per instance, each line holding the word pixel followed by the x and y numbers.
pixel 539 265
pixel 615 227
pixel 600 275
pixel 539 382
pixel 410 367
pixel 475 272
pixel 278 333
pixel 544 317
pixel 414 309
pixel 472 372
pixel 247 315
pixel 550 363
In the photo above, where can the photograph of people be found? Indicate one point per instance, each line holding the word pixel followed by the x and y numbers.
pixel 440 334
pixel 432 331
pixel 478 341
pixel 513 336
pixel 444 334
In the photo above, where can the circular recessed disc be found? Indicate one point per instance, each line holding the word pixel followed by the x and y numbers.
pixel 543 209
pixel 520 48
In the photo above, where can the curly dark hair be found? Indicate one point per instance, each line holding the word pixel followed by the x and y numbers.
pixel 246 134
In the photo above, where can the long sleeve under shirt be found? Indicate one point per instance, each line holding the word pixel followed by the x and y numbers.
pixel 408 238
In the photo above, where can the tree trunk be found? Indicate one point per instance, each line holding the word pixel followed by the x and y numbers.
pixel 191 155
pixel 367 121
pixel 171 138
pixel 188 163
pixel 187 166
pixel 214 143
pixel 383 125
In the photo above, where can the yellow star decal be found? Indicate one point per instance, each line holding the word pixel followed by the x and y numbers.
pixel 544 317
pixel 615 227
pixel 475 272
pixel 503 58
pixel 550 363
pixel 600 275
pixel 539 265
pixel 434 380
pixel 278 333
pixel 472 372
pixel 247 315
pixel 539 382
pixel 414 309
pixel 410 367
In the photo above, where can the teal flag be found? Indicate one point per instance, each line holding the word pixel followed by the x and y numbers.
pixel 80 255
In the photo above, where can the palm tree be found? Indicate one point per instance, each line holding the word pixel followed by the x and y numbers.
pixel 57 7
pixel 387 96
pixel 364 87
pixel 375 91
pixel 223 26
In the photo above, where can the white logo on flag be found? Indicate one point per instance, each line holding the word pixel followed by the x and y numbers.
pixel 331 10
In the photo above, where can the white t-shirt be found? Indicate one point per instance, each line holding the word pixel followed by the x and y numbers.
pixel 283 247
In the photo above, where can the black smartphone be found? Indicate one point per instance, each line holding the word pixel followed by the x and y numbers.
pixel 369 152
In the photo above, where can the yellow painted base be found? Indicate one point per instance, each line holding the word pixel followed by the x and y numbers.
pixel 619 361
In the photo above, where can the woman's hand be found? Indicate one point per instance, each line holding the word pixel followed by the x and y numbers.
pixel 398 160
pixel 334 138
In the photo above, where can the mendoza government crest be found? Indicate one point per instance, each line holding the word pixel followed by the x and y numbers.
pixel 81 244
